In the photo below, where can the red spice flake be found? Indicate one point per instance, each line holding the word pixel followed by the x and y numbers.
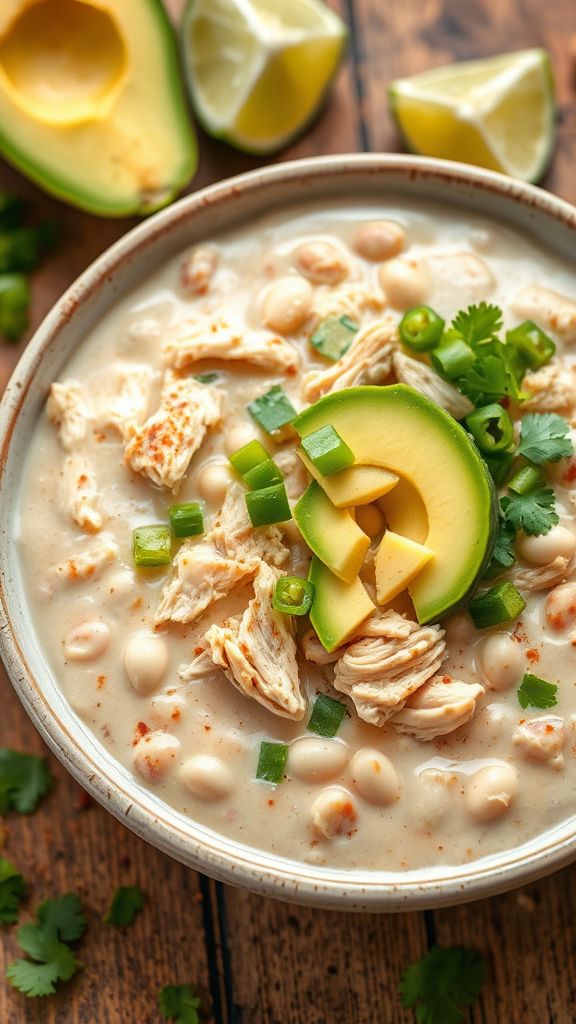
pixel 176 714
pixel 198 650
pixel 447 679
pixel 548 728
pixel 100 436
pixel 100 682
pixel 207 728
pixel 136 603
pixel 533 654
pixel 141 730
pixel 570 474
pixel 271 803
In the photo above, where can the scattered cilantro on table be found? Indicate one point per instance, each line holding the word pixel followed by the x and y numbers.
pixel 12 892
pixel 534 513
pixel 127 902
pixel 440 985
pixel 179 1004
pixel 60 922
pixel 24 780
pixel 537 693
pixel 544 437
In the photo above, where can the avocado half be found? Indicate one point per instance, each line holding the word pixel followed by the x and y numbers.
pixel 91 103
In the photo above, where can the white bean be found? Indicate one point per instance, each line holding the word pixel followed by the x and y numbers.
pixel 206 777
pixel 120 586
pixel 322 263
pixel 375 777
pixel 313 759
pixel 287 304
pixel 501 661
pixel 490 792
pixel 560 607
pixel 370 519
pixel 238 436
pixel 154 755
pixel 87 641
pixel 558 542
pixel 145 661
pixel 213 481
pixel 431 798
pixel 405 283
pixel 334 813
pixel 167 709
pixel 379 241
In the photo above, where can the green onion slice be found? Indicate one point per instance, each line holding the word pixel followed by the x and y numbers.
pixel 272 762
pixel 272 410
pixel 502 603
pixel 293 595
pixel 264 474
pixel 332 338
pixel 187 520
pixel 248 457
pixel 327 715
pixel 326 449
pixel 452 360
pixel 527 479
pixel 268 505
pixel 152 545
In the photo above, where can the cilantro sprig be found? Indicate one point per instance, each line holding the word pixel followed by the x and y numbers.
pixel 24 780
pixel 544 437
pixel 59 923
pixel 537 693
pixel 126 904
pixel 478 324
pixel 534 513
pixel 440 985
pixel 179 1004
pixel 12 892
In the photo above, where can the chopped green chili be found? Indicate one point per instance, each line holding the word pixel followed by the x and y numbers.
pixel 272 762
pixel 326 449
pixel 492 429
pixel 152 545
pixel 207 378
pixel 187 520
pixel 421 328
pixel 272 410
pixel 502 603
pixel 532 344
pixel 293 595
pixel 527 479
pixel 452 360
pixel 327 715
pixel 268 505
pixel 264 474
pixel 248 457
pixel 332 338
pixel 14 305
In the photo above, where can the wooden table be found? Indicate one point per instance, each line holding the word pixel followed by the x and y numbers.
pixel 253 960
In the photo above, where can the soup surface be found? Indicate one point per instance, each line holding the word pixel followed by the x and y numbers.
pixel 184 669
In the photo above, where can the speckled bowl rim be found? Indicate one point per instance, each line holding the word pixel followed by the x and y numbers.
pixel 490 194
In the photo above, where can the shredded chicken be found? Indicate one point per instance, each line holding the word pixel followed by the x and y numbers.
pixel 201 667
pixel 351 300
pixel 217 339
pixel 541 577
pixel 89 563
pixel 68 410
pixel 162 447
pixel 367 361
pixel 294 470
pixel 424 379
pixel 549 309
pixel 234 535
pixel 80 493
pixel 258 652
pixel 313 650
pixel 440 706
pixel 197 270
pixel 542 739
pixel 128 405
pixel 552 389
pixel 380 671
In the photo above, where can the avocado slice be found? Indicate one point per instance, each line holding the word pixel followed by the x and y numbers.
pixel 355 485
pixel 401 430
pixel 331 533
pixel 397 562
pixel 405 511
pixel 91 103
pixel 338 608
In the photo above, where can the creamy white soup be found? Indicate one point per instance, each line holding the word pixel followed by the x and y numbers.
pixel 183 669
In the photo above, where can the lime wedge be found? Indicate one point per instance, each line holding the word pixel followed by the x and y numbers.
pixel 497 113
pixel 258 70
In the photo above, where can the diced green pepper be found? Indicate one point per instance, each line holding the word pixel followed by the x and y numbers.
pixel 532 344
pixel 152 545
pixel 248 457
pixel 14 305
pixel 452 360
pixel 187 520
pixel 502 603
pixel 263 475
pixel 527 479
pixel 421 328
pixel 492 429
pixel 293 595
pixel 326 449
pixel 272 410
pixel 272 762
pixel 327 715
pixel 268 505
pixel 332 338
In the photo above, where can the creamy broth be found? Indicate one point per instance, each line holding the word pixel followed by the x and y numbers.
pixel 124 679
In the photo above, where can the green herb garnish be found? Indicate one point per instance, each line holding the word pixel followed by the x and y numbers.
pixel 271 762
pixel 273 410
pixel 491 378
pixel 60 922
pixel 537 693
pixel 12 892
pixel 545 437
pixel 327 715
pixel 534 513
pixel 332 338
pixel 127 902
pixel 24 780
pixel 179 1004
pixel 440 985
pixel 503 556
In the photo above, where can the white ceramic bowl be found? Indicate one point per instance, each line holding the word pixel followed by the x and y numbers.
pixel 220 207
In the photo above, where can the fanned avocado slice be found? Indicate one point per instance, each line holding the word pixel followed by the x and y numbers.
pixel 91 103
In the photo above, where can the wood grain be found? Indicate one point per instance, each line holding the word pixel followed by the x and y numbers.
pixel 256 961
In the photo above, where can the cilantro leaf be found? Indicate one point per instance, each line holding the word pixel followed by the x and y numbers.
pixel 179 1004
pixel 63 917
pixel 12 892
pixel 24 779
pixel 545 437
pixel 443 982
pixel 503 556
pixel 478 323
pixel 59 922
pixel 534 513
pixel 491 378
pixel 537 693
pixel 127 902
